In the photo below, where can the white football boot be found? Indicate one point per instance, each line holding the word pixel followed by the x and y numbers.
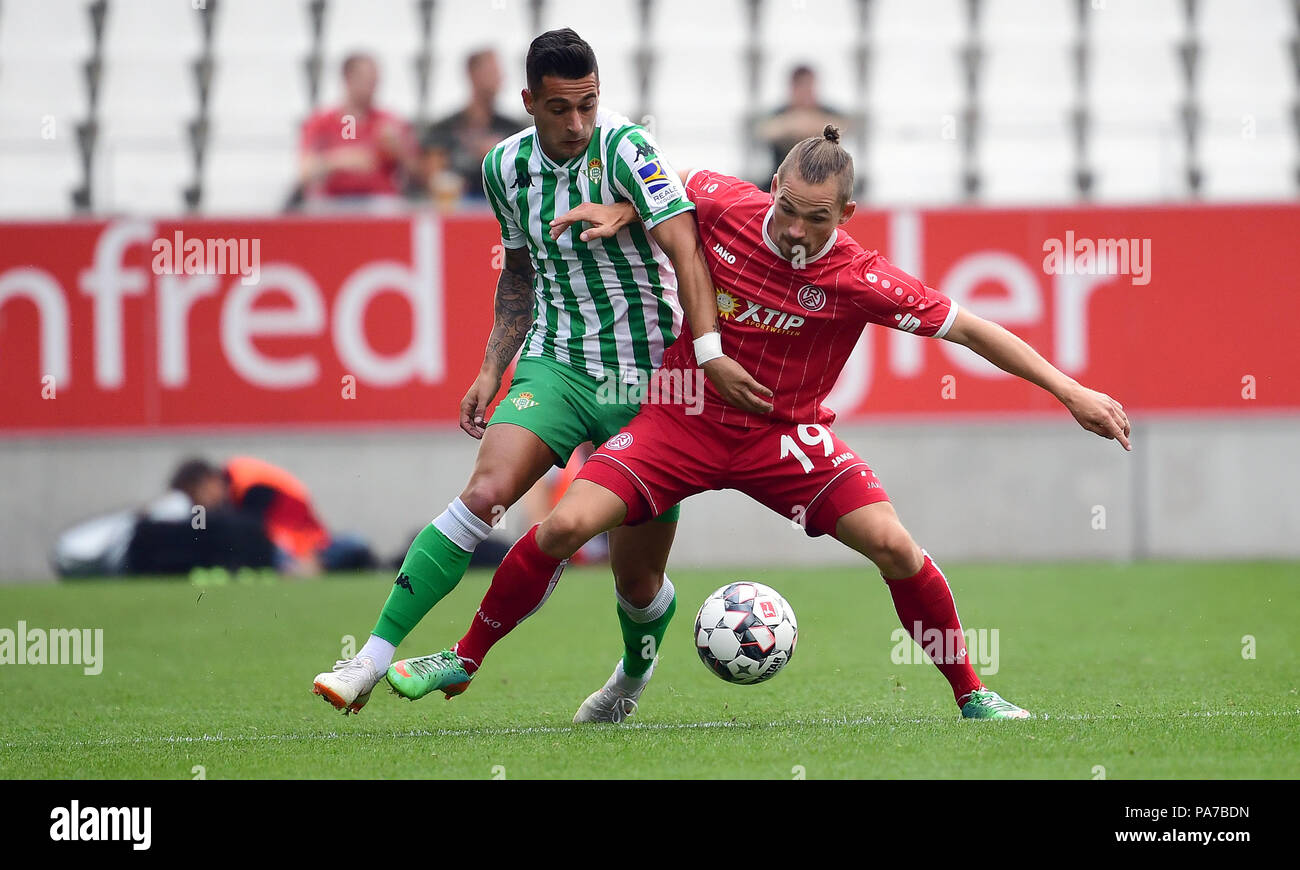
pixel 617 699
pixel 348 686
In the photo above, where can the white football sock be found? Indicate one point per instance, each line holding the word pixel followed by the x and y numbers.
pixel 461 527
pixel 380 652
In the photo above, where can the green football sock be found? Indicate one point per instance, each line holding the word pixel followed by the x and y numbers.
pixel 644 628
pixel 432 568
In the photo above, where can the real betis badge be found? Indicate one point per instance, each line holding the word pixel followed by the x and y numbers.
pixel 524 400
pixel 593 170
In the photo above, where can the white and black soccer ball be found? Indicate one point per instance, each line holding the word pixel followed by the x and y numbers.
pixel 745 632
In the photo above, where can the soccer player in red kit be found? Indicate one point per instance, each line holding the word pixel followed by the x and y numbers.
pixel 794 294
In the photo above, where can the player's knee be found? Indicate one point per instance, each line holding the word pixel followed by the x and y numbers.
pixel 637 585
pixel 564 532
pixel 894 551
pixel 487 497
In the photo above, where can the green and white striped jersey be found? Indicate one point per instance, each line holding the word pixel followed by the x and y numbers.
pixel 608 306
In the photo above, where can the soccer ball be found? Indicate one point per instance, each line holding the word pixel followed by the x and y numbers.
pixel 745 632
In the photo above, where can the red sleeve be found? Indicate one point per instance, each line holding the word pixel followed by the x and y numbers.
pixel 891 297
pixel 310 134
pixel 709 190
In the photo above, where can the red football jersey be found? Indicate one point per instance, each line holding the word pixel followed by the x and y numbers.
pixel 793 329
pixel 328 129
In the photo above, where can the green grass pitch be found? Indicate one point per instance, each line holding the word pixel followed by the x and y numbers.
pixel 1135 671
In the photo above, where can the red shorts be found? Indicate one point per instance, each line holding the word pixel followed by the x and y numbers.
pixel 801 471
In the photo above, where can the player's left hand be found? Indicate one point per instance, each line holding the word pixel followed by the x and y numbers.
pixel 605 220
pixel 1099 413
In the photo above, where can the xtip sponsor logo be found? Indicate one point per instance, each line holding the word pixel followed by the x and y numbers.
pixel 77 823
pixel 57 646
pixel 1073 256
pixel 753 313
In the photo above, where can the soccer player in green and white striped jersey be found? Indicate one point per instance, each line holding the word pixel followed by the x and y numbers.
pixel 580 314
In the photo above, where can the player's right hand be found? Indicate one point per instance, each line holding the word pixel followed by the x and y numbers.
pixel 737 387
pixel 473 408
pixel 605 220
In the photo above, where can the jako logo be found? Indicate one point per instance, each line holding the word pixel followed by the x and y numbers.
pixel 494 623
pixel 75 823
pixel 726 255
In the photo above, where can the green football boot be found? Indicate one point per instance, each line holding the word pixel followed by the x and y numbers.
pixel 987 704
pixel 415 678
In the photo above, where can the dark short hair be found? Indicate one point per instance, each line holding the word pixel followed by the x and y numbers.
pixel 800 71
pixel 818 158
pixel 561 53
pixel 191 473
pixel 353 59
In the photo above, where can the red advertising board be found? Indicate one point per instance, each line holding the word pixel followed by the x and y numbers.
pixel 315 321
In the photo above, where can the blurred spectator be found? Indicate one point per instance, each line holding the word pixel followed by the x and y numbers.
pixel 802 116
pixel 357 153
pixel 169 535
pixel 455 146
pixel 304 547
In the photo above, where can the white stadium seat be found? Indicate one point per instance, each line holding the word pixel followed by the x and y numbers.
pixel 269 28
pixel 37 176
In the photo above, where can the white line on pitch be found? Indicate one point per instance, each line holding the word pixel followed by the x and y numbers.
pixel 646 726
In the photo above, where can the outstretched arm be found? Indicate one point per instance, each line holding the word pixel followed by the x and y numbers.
pixel 1096 412
pixel 681 242
pixel 512 318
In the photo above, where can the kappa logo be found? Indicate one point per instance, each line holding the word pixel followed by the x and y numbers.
pixel 621 441
pixel 522 181
pixel 812 297
pixel 523 400
pixel 644 151
pixel 405 582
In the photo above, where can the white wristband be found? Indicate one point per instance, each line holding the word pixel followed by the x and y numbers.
pixel 707 347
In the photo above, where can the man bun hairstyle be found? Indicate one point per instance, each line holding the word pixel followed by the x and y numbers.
pixel 561 53
pixel 818 158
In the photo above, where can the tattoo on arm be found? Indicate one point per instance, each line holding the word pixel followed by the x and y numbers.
pixel 513 314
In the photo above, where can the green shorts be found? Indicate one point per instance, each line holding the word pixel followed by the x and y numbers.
pixel 563 407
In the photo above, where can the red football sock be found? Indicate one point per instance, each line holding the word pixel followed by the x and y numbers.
pixel 924 603
pixel 522 583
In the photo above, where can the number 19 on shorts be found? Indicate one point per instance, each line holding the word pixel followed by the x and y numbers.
pixel 812 435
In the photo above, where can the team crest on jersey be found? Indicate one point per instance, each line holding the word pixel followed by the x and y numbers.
pixel 523 400
pixel 621 441
pixel 594 169
pixel 812 297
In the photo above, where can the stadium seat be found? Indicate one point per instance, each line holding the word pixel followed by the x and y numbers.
pixel 144 178
pixel 43 92
pixel 248 177
pixel 37 176
pixel 262 28
pixel 385 29
pixel 458 30
pixel 698 96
